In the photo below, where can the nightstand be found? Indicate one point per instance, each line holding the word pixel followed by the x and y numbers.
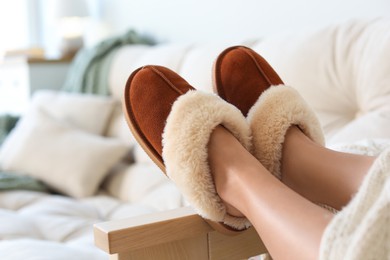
pixel 21 76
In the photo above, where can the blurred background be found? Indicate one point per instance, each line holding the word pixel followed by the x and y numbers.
pixel 40 23
pixel 46 34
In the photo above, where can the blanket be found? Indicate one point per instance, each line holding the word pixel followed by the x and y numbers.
pixel 361 230
pixel 12 181
pixel 90 68
pixel 7 122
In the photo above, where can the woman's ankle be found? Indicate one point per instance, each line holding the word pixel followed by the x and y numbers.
pixel 297 163
pixel 223 155
pixel 320 174
pixel 232 166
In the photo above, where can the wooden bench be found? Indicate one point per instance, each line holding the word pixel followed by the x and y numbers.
pixel 174 234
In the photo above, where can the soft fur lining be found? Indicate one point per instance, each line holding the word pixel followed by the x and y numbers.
pixel 274 112
pixel 185 140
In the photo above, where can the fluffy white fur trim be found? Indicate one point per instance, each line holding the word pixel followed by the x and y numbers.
pixel 274 112
pixel 186 135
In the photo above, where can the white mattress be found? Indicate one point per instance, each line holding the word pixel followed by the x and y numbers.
pixel 35 225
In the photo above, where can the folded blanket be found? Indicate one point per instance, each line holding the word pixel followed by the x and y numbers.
pixel 7 122
pixel 362 229
pixel 11 181
pixel 90 68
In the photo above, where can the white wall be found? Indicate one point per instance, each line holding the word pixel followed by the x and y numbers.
pixel 205 20
pixel 13 25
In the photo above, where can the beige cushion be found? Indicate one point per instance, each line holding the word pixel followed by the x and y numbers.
pixel 343 73
pixel 143 183
pixel 84 111
pixel 118 128
pixel 70 161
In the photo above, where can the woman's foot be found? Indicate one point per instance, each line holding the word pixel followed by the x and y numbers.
pixel 320 174
pixel 227 159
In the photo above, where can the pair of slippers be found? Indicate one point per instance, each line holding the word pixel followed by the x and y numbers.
pixel 172 121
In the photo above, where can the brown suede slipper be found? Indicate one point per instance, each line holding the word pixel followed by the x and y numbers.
pixel 245 79
pixel 149 94
pixel 173 122
pixel 241 75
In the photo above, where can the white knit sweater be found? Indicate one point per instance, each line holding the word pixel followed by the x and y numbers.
pixel 361 230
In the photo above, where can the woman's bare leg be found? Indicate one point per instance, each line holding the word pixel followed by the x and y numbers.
pixel 288 224
pixel 320 174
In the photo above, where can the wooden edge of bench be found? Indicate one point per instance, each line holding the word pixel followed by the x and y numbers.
pixel 134 233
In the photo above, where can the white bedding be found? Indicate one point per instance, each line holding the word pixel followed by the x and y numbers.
pixel 35 225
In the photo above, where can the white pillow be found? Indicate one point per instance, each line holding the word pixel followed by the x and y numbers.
pixel 70 161
pixel 145 184
pixel 118 128
pixel 85 111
